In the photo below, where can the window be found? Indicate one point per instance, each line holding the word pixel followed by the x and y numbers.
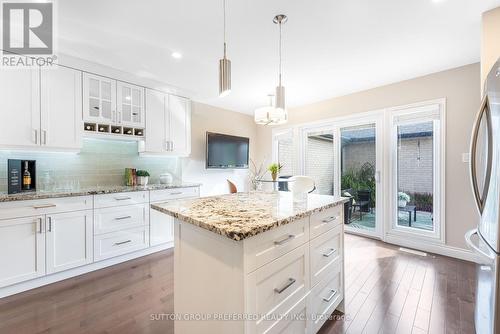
pixel 417 171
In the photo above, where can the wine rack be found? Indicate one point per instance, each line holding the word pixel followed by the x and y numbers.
pixel 112 130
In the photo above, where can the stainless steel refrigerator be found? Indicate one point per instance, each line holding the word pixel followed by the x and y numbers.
pixel 485 175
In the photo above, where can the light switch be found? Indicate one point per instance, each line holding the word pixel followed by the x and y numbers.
pixel 465 157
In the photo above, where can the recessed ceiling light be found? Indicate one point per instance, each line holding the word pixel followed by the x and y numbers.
pixel 176 55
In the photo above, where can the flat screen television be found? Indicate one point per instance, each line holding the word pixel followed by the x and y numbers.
pixel 227 152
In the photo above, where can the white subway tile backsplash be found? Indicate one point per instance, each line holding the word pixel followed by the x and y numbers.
pixel 100 162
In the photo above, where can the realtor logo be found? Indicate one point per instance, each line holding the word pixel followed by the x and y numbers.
pixel 27 28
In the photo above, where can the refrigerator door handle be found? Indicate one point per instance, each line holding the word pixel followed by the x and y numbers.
pixel 484 111
pixel 474 246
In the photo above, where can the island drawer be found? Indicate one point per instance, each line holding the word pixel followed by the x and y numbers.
pixel 294 321
pixel 17 209
pixel 326 220
pixel 121 242
pixel 119 218
pixel 324 299
pixel 325 251
pixel 278 286
pixel 120 199
pixel 266 247
pixel 171 194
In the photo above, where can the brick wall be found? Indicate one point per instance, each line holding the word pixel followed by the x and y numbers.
pixel 415 165
pixel 319 164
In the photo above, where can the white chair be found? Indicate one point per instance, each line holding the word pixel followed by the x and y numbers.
pixel 301 184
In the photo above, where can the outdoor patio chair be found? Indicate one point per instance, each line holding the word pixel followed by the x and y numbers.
pixel 363 201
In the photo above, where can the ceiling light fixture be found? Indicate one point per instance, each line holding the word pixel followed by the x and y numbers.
pixel 280 89
pixel 224 66
pixel 176 55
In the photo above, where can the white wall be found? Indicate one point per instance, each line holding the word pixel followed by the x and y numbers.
pixel 212 119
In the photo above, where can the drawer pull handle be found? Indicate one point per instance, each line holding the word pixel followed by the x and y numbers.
pixel 122 218
pixel 45 206
pixel 330 219
pixel 177 193
pixel 122 198
pixel 286 286
pixel 122 242
pixel 330 253
pixel 284 241
pixel 327 299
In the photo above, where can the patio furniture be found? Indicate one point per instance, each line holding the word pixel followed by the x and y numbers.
pixel 348 206
pixel 364 197
pixel 410 209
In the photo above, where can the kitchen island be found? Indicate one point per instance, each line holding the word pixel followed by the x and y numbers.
pixel 256 262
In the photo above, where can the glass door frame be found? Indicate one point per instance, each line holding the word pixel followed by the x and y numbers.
pixel 376 118
pixel 303 131
pixel 434 111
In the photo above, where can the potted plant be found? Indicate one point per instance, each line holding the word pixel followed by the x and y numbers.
pixel 142 177
pixel 403 199
pixel 274 169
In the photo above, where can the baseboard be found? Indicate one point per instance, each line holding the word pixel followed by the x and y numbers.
pixel 430 247
pixel 52 278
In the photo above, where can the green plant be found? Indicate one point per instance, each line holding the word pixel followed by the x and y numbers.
pixel 274 168
pixel 362 178
pixel 423 201
pixel 403 196
pixel 143 173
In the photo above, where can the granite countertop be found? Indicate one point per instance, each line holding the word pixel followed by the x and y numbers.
pixel 243 215
pixel 98 190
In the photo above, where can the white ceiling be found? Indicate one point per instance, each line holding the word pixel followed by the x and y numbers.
pixel 331 47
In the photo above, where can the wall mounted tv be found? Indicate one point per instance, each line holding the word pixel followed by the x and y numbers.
pixel 226 152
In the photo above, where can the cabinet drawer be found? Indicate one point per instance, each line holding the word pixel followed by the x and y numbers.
pixel 326 220
pixel 120 199
pixel 325 251
pixel 266 247
pixel 276 287
pixel 294 321
pixel 44 206
pixel 170 194
pixel 324 299
pixel 121 242
pixel 119 218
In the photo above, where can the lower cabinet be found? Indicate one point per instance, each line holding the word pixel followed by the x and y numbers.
pixel 162 228
pixel 120 242
pixel 22 250
pixel 69 240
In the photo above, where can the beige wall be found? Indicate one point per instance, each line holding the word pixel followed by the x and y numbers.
pixel 490 41
pixel 460 87
pixel 208 118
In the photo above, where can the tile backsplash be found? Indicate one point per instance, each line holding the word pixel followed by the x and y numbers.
pixel 100 163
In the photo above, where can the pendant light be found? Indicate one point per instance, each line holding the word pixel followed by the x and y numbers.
pixel 263 114
pixel 224 66
pixel 280 89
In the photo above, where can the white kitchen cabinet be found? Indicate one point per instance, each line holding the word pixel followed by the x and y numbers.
pixel 180 125
pixel 168 124
pixel 22 250
pixel 61 108
pixel 156 121
pixel 69 240
pixel 99 99
pixel 20 105
pixel 161 228
pixel 130 104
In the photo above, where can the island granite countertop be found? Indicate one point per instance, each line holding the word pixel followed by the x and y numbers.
pixel 243 215
pixel 98 190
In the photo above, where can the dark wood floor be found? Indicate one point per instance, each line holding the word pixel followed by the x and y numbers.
pixel 387 291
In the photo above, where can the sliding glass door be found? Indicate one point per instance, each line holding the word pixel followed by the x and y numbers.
pixel 417 172
pixel 358 161
pixel 318 157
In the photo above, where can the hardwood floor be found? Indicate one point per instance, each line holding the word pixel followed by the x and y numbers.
pixel 387 291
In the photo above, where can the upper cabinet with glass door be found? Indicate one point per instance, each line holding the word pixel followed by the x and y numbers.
pixel 130 99
pixel 99 99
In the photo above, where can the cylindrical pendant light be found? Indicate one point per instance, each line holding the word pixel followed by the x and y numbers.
pixel 224 66
pixel 280 89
